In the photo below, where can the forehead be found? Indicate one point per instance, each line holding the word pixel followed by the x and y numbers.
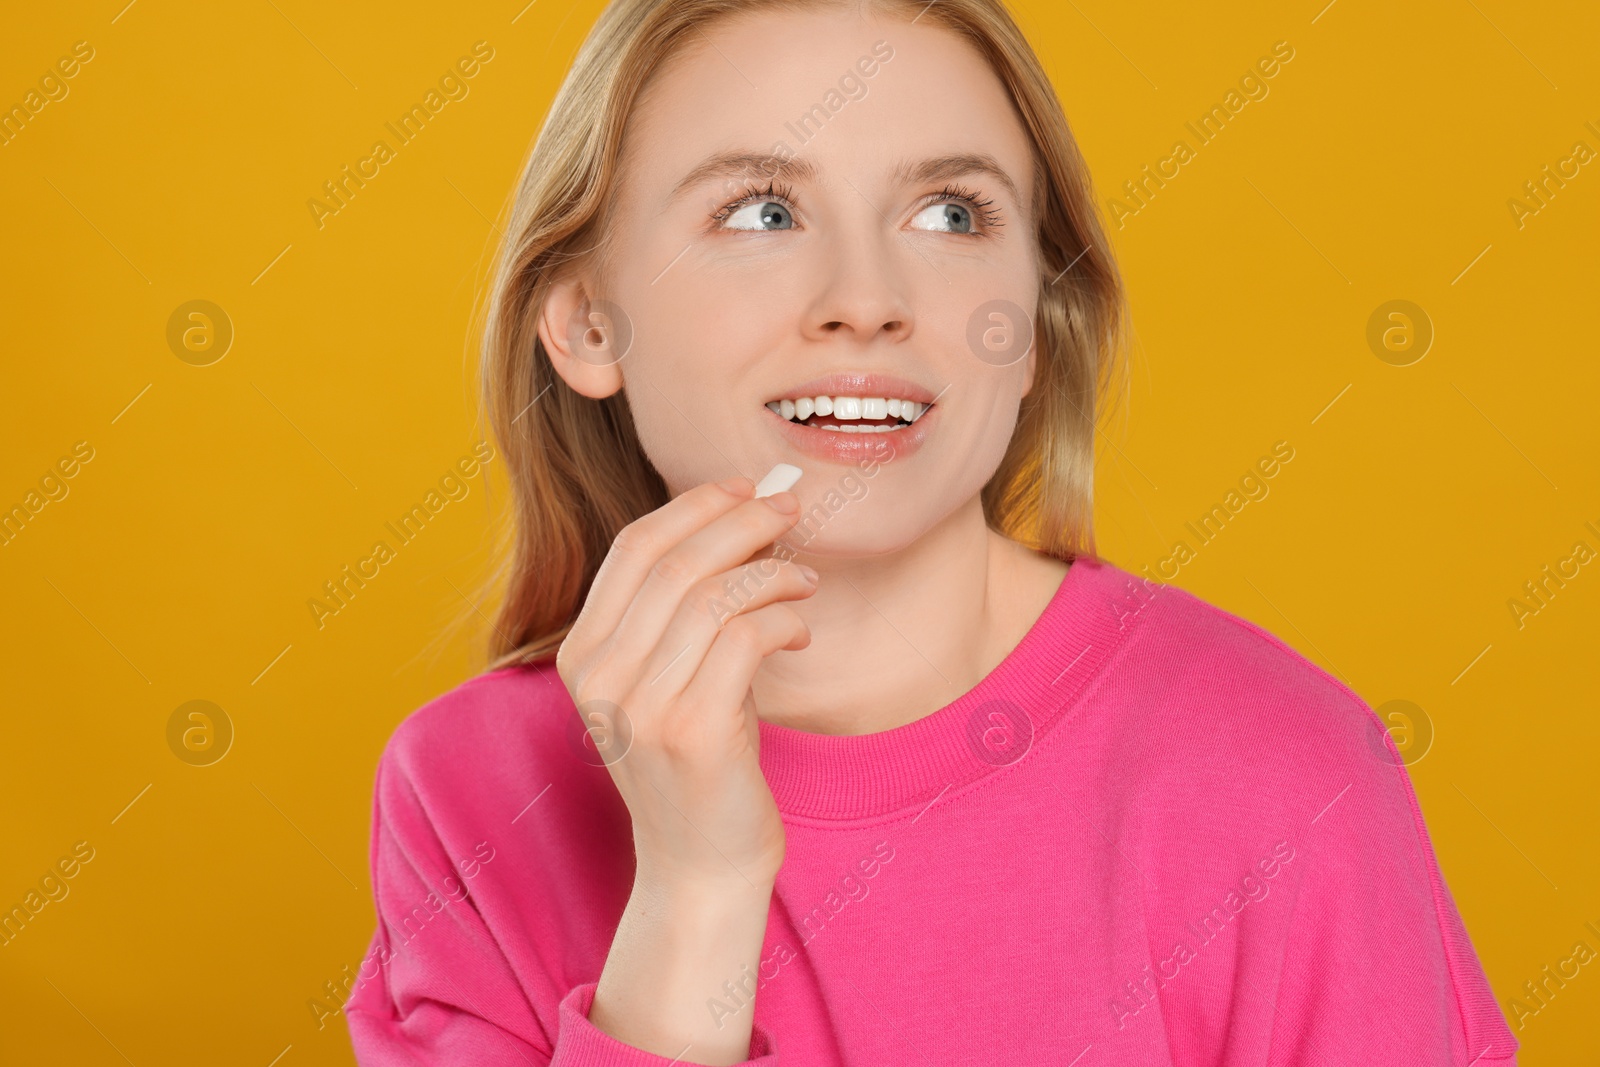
pixel 852 91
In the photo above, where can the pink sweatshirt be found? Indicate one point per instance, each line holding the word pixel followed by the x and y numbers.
pixel 1153 835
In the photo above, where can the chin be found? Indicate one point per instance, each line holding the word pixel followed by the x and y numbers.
pixel 858 529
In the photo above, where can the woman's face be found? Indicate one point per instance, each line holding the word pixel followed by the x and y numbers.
pixel 814 194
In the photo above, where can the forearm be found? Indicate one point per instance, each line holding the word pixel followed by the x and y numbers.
pixel 674 950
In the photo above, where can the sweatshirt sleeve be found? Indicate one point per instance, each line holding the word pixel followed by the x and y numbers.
pixel 436 988
pixel 1378 967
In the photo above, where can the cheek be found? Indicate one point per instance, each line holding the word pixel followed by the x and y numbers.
pixel 702 335
pixel 699 327
pixel 985 427
pixel 983 329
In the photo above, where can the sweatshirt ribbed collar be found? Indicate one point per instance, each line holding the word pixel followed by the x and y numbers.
pixel 986 730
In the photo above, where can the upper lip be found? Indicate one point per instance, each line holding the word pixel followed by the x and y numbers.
pixel 850 383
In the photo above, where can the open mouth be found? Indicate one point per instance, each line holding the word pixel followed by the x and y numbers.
pixel 850 414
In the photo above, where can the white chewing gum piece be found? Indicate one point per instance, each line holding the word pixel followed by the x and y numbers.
pixel 779 479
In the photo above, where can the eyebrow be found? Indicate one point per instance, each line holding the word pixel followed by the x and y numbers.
pixel 747 165
pixel 946 168
pixel 755 164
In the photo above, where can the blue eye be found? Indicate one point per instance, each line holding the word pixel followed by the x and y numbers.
pixel 760 208
pixel 959 210
pixel 767 215
pixel 947 218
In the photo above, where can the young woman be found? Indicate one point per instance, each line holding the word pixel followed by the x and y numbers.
pixel 885 767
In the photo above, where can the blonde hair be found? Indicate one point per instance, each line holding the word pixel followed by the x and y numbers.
pixel 577 471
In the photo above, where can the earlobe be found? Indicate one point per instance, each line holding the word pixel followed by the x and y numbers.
pixel 581 340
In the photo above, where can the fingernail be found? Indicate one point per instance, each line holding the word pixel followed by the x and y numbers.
pixel 785 502
pixel 809 573
pixel 736 486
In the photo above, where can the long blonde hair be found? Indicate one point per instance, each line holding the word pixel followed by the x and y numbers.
pixel 577 471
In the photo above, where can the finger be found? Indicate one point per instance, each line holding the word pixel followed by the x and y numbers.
pixel 734 657
pixel 709 607
pixel 726 542
pixel 637 548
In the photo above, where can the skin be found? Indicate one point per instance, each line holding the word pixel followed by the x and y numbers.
pixel 916 599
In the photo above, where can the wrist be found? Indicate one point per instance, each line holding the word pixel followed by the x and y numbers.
pixel 728 883
pixel 694 894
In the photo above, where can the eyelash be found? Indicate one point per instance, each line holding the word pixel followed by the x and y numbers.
pixel 773 191
pixel 982 208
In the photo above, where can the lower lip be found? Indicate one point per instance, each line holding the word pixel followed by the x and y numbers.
pixel 837 446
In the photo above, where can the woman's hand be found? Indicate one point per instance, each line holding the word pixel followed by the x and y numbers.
pixel 675 626
pixel 661 659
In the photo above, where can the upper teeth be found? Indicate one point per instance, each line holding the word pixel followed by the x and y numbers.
pixel 849 407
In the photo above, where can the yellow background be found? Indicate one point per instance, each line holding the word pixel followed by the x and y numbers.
pixel 179 566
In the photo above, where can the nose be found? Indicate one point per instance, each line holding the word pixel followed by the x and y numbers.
pixel 863 295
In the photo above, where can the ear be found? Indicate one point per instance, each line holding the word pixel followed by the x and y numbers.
pixel 580 339
pixel 1032 368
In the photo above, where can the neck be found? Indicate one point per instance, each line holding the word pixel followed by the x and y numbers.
pixel 897 636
